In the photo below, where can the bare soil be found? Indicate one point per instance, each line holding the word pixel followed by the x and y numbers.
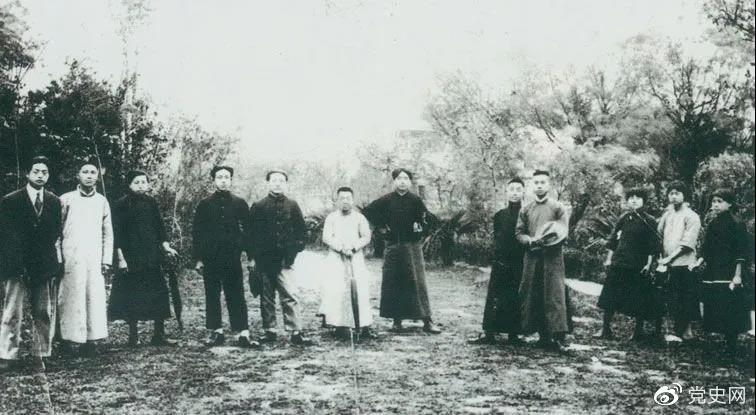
pixel 408 373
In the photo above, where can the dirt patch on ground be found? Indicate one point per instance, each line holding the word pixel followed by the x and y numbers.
pixel 405 373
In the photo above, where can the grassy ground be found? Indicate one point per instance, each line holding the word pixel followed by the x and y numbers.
pixel 408 373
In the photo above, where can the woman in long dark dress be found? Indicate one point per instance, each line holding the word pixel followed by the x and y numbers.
pixel 726 252
pixel 632 244
pixel 400 216
pixel 140 292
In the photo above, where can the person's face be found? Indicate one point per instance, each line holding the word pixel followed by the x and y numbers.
pixel 345 201
pixel 222 180
pixel 541 185
pixel 38 175
pixel 140 185
pixel 515 192
pixel 635 202
pixel 676 197
pixel 277 183
pixel 88 175
pixel 719 205
pixel 402 182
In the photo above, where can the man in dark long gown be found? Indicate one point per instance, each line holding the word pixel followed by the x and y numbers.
pixel 399 216
pixel 139 291
pixel 502 311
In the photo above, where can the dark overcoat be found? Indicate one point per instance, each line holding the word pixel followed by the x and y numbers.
pixel 28 247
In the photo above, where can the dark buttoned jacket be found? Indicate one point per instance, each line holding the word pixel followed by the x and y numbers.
pixel 29 241
pixel 277 232
pixel 219 227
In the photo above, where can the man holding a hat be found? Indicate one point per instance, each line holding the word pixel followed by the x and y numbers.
pixel 542 227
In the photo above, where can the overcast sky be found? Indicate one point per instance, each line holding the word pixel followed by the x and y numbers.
pixel 316 76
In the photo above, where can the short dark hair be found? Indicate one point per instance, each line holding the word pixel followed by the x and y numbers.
pixel 276 171
pixel 92 161
pixel 345 189
pixel 516 180
pixel 638 192
pixel 725 194
pixel 396 172
pixel 679 186
pixel 216 169
pixel 133 174
pixel 539 172
pixel 37 160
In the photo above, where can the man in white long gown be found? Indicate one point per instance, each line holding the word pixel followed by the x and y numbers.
pixel 87 254
pixel 346 232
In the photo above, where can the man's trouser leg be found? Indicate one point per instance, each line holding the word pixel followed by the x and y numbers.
pixel 212 298
pixel 289 305
pixel 233 290
pixel 268 301
pixel 42 298
pixel 10 327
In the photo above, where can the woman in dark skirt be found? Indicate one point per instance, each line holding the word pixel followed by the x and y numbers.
pixel 726 252
pixel 139 290
pixel 627 290
pixel 399 217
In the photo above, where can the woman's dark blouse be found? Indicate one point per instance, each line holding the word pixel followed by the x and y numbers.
pixel 396 214
pixel 633 240
pixel 139 230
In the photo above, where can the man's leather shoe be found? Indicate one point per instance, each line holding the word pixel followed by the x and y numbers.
pixel 368 334
pixel 6 365
pixel 299 340
pixel 163 341
pixel 482 339
pixel 431 329
pixel 247 343
pixel 515 340
pixel 215 339
pixel 269 337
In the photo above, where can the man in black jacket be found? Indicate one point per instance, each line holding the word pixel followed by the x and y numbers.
pixel 220 223
pixel 277 235
pixel 30 261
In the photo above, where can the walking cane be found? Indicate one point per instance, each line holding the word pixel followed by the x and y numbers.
pixel 173 284
pixel 356 311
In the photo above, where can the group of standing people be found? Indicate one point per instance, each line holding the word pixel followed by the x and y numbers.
pixel 653 269
pixel 56 252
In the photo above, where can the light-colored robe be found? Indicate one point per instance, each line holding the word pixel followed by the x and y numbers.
pixel 87 244
pixel 350 231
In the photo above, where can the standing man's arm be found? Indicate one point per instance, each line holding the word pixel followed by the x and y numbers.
pixel 299 227
pixel 521 229
pixel 364 233
pixel 198 234
pixel 252 231
pixel 242 215
pixel 107 237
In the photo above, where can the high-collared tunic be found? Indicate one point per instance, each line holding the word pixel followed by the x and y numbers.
pixel 502 310
pixel 401 219
pixel 87 245
pixel 350 231
pixel 542 290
